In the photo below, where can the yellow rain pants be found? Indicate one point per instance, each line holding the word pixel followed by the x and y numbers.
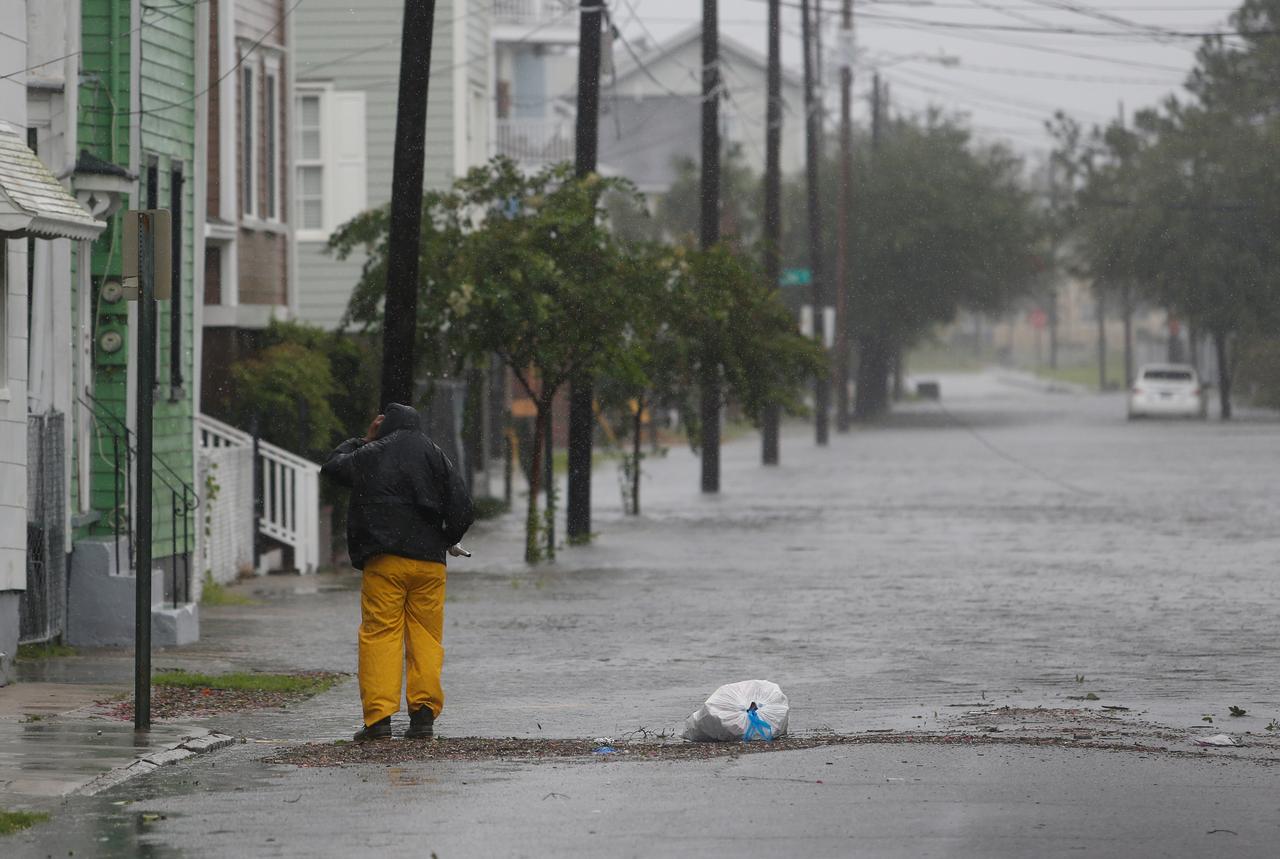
pixel 401 621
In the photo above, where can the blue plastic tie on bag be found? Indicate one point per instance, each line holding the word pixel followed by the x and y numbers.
pixel 758 727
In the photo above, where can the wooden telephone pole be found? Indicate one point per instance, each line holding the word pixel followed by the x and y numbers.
pixel 400 316
pixel 709 407
pixel 773 202
pixel 846 211
pixel 581 393
pixel 813 149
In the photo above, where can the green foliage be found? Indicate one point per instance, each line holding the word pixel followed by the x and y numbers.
pixel 1184 207
pixel 515 265
pixel 215 593
pixel 16 821
pixel 727 316
pixel 287 386
pixel 44 651
pixel 307 387
pixel 679 211
pixel 241 681
pixel 490 508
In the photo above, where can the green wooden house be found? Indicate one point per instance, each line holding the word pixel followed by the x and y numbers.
pixel 140 102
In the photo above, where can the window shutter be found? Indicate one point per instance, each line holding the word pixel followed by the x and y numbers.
pixel 346 195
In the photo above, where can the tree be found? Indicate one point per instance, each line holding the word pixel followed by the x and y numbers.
pixel 519 266
pixel 306 387
pixel 941 224
pixel 695 306
pixel 1188 204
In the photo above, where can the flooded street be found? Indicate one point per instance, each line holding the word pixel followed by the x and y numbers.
pixel 1010 547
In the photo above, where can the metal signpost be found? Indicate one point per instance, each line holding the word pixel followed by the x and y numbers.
pixel 147 246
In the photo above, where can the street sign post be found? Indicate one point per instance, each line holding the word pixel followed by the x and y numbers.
pixel 795 277
pixel 147 254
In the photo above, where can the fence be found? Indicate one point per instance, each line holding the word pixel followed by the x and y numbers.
pixel 226 529
pixel 43 604
pixel 535 12
pixel 286 491
pixel 536 140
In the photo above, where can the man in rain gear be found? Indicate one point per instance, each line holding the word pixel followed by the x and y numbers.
pixel 409 508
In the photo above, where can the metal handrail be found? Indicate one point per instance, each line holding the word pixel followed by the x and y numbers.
pixel 94 404
pixel 190 498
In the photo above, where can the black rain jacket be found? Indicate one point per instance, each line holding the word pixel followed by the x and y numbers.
pixel 407 499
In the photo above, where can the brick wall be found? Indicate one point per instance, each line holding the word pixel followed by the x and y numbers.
pixel 263 262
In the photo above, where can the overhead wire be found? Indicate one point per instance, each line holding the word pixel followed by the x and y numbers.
pixel 153 109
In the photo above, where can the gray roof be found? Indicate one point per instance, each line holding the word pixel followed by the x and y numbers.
pixel 644 138
pixel 32 201
pixel 730 49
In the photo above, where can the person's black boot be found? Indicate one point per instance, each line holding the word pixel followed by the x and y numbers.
pixel 421 724
pixel 379 730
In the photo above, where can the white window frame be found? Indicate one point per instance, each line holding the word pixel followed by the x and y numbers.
pixel 248 163
pixel 272 178
pixel 303 232
pixel 5 265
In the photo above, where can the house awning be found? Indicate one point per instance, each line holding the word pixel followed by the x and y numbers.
pixel 32 202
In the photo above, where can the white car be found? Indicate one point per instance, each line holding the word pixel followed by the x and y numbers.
pixel 1167 390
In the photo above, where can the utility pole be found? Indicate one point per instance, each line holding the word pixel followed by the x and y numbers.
pixel 1126 305
pixel 846 210
pixel 581 395
pixel 400 315
pixel 709 407
pixel 1098 297
pixel 875 112
pixel 822 382
pixel 773 201
pixel 1051 268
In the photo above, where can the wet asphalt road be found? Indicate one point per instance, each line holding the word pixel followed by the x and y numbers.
pixel 993 549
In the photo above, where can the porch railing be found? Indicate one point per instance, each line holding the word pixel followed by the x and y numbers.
pixel 287 492
pixel 536 140
pixel 534 11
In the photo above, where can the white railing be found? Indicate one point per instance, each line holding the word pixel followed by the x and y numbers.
pixel 535 11
pixel 290 491
pixel 536 140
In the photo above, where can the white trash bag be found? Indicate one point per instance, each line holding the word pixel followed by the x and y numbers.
pixel 750 710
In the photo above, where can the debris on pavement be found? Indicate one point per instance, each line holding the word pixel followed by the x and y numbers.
pixel 1215 740
pixel 750 709
pixel 604 750
pixel 471 749
pixel 173 701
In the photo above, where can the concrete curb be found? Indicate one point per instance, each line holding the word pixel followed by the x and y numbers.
pixel 186 748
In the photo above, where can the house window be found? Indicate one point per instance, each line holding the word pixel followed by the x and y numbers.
pixel 176 182
pixel 329 174
pixel 270 180
pixel 248 142
pixel 4 317
pixel 309 185
pixel 152 190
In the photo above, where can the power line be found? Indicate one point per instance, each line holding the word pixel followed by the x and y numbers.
pixel 987 93
pixel 903 20
pixel 153 109
pixel 1063 76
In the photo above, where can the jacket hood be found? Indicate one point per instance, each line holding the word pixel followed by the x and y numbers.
pixel 398 417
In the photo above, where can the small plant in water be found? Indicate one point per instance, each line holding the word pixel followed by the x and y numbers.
pixel 1273 725
pixel 1238 711
pixel 1079 678
pixel 1207 717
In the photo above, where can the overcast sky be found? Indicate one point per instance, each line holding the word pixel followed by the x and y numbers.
pixel 1007 80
